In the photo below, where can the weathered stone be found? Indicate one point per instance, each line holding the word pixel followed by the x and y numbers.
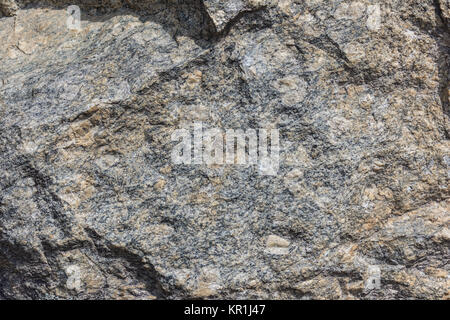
pixel 91 205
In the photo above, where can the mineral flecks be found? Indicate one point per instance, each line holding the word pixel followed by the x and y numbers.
pixel 91 205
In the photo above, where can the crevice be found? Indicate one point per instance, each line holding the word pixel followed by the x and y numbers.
pixel 47 201
pixel 42 184
pixel 233 22
pixel 144 272
pixel 333 49
pixel 440 14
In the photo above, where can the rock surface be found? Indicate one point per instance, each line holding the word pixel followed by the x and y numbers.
pixel 91 205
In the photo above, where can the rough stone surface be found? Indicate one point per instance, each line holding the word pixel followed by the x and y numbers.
pixel 92 207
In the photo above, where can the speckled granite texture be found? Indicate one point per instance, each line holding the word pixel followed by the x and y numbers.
pixel 92 207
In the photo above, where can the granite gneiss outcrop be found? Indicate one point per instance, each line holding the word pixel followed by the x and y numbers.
pixel 92 207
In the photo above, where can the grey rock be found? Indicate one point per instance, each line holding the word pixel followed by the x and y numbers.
pixel 92 207
pixel 224 12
